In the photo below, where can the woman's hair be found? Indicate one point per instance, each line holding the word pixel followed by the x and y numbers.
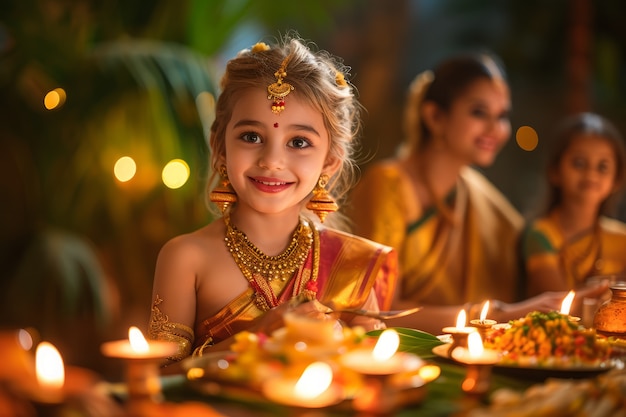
pixel 448 81
pixel 318 78
pixel 571 128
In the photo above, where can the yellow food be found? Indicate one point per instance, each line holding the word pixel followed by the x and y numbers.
pixel 549 339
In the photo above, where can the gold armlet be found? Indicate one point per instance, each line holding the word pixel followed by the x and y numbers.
pixel 161 328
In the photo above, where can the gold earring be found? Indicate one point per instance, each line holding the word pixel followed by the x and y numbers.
pixel 322 203
pixel 223 195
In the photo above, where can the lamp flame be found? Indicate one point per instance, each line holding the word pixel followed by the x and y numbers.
pixel 475 345
pixel 567 303
pixel 386 346
pixel 315 379
pixel 483 312
pixel 138 342
pixel 49 366
pixel 461 319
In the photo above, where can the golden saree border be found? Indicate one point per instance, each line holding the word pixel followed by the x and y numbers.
pixel 351 266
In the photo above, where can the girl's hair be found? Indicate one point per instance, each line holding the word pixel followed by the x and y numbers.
pixel 586 124
pixel 449 80
pixel 318 78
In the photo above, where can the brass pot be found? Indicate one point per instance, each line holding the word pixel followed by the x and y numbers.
pixel 610 319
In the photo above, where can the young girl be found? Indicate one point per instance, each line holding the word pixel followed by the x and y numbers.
pixel 282 142
pixel 456 234
pixel 574 239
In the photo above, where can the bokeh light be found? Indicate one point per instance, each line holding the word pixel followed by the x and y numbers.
pixel 125 169
pixel 175 174
pixel 54 99
pixel 527 138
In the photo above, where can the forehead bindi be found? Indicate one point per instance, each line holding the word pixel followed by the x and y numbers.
pixel 252 108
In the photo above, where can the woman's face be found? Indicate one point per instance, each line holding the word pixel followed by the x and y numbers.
pixel 477 125
pixel 586 172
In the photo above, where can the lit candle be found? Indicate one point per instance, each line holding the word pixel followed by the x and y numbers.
pixel 483 323
pixel 567 303
pixel 475 353
pixel 142 363
pixel 50 373
pixel 383 359
pixel 137 347
pixel 478 361
pixel 313 389
pixel 566 306
pixel 460 332
pixel 63 390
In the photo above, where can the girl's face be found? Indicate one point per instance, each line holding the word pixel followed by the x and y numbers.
pixel 587 170
pixel 477 125
pixel 274 161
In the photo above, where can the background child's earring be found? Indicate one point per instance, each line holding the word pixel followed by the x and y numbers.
pixel 223 195
pixel 322 203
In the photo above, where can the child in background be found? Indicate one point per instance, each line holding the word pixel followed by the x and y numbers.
pixel 282 143
pixel 574 239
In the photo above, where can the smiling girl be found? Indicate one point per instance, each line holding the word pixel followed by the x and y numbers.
pixel 576 239
pixel 281 150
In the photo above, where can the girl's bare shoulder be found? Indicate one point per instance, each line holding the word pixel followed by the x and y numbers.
pixel 200 244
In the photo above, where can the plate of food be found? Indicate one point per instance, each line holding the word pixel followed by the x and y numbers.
pixel 543 345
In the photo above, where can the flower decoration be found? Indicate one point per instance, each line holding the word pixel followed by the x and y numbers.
pixel 312 286
pixel 260 47
pixel 340 79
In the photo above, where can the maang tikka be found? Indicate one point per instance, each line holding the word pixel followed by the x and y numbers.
pixel 322 203
pixel 278 90
pixel 223 195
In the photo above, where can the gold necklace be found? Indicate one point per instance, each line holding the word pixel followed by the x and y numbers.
pixel 253 262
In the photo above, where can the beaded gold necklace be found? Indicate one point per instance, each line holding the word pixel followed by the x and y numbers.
pixel 260 269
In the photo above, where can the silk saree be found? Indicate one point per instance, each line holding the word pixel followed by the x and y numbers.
pixel 442 263
pixel 352 272
pixel 597 252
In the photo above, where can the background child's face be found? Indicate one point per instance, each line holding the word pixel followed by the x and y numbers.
pixel 275 160
pixel 477 125
pixel 587 169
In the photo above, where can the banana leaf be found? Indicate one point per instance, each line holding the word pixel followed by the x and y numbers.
pixel 414 341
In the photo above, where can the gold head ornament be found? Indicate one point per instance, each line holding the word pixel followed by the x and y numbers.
pixel 277 91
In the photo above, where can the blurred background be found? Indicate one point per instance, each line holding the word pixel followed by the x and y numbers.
pixel 105 106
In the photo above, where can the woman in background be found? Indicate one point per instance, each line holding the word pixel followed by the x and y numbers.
pixel 456 234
